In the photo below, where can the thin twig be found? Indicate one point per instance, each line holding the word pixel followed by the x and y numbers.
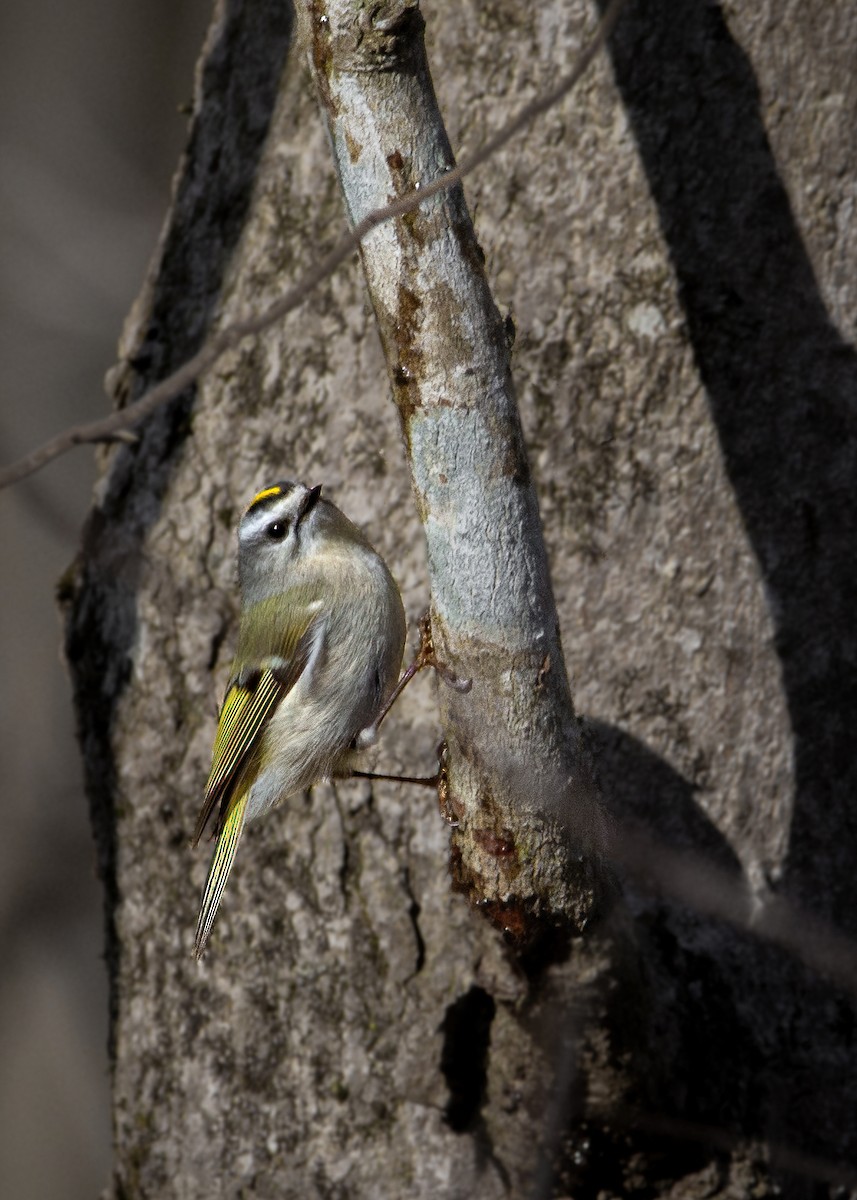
pixel 107 428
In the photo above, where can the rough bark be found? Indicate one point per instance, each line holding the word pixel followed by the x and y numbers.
pixel 684 296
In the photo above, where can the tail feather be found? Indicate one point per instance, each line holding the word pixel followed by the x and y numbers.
pixel 218 872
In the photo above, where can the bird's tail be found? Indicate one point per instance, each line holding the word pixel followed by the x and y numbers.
pixel 218 872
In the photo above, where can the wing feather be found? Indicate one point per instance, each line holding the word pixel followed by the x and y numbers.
pixel 218 872
pixel 252 697
pixel 251 700
pixel 245 712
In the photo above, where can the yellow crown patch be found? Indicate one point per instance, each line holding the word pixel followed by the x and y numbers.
pixel 276 490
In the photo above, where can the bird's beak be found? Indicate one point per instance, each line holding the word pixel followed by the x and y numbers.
pixel 309 502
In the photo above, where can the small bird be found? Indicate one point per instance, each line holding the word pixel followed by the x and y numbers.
pixel 320 644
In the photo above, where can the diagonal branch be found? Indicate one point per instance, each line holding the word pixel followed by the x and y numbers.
pixel 119 423
pixel 529 821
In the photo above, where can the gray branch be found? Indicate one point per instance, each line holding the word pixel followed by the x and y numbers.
pixel 519 777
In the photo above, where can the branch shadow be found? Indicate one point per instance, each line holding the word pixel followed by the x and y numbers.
pixel 742 1040
pixel 781 384
pixel 693 1003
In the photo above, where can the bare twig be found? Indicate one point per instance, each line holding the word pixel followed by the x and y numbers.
pixel 107 428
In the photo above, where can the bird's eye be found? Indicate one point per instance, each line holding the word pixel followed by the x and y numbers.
pixel 277 530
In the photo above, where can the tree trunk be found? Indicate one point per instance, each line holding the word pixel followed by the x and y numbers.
pixel 679 288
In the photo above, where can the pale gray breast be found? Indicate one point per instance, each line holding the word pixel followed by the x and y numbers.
pixel 367 639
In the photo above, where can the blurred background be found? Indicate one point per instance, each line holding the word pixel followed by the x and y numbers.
pixel 91 129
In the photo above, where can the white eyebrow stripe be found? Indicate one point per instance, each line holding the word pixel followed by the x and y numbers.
pixel 254 522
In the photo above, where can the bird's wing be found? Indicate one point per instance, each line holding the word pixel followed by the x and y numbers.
pixel 252 697
pixel 218 872
pixel 251 700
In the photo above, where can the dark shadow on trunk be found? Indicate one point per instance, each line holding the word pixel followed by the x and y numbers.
pixel 781 384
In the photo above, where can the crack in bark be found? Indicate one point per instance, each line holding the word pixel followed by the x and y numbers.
pixel 414 911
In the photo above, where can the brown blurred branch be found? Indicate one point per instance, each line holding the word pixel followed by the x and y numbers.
pixel 117 424
pixel 713 892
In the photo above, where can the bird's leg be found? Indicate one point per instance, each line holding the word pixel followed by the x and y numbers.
pixel 423 780
pixel 424 657
pixel 427 657
pixel 439 781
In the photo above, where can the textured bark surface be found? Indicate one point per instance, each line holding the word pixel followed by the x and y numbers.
pixel 677 246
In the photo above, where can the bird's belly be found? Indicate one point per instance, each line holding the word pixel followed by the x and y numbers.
pixel 303 745
pixel 310 734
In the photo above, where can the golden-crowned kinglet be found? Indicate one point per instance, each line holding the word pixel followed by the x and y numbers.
pixel 319 649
